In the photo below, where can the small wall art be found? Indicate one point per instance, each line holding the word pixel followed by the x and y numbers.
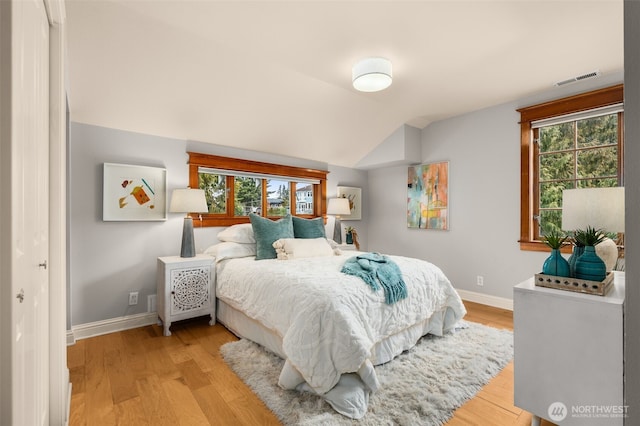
pixel 134 193
pixel 428 196
pixel 355 201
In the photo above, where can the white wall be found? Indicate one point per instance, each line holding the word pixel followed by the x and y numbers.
pixel 483 150
pixel 110 259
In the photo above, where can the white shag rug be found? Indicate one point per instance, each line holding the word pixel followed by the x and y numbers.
pixel 422 386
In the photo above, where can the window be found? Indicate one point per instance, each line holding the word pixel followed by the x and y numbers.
pixel 234 188
pixel 574 142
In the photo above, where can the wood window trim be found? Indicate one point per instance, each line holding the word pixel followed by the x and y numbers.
pixel 197 160
pixel 572 104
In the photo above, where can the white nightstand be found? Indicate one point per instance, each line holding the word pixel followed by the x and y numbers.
pixel 568 354
pixel 185 289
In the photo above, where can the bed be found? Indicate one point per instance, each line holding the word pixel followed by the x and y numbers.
pixel 331 328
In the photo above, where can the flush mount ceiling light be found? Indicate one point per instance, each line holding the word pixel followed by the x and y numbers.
pixel 372 74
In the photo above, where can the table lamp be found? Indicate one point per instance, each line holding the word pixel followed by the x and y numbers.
pixel 187 200
pixel 337 207
pixel 600 208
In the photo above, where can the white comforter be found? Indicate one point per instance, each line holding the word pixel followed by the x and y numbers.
pixel 330 322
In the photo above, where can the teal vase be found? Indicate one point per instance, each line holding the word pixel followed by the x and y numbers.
pixel 349 238
pixel 589 266
pixel 577 252
pixel 556 265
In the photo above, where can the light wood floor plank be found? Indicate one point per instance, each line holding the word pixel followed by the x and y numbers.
pixel 121 380
pixel 138 377
pixel 193 376
pixel 131 412
pixel 155 403
pixel 98 397
pixel 184 404
pixel 77 415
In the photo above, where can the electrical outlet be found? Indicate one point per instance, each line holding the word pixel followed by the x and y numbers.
pixel 480 280
pixel 133 298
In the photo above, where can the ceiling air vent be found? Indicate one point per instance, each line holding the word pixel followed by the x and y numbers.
pixel 592 74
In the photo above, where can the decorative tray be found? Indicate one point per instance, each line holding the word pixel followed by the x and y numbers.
pixel 578 285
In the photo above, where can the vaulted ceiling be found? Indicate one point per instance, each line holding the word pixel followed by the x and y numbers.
pixel 275 76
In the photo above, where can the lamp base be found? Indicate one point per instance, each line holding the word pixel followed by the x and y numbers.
pixel 188 248
pixel 337 231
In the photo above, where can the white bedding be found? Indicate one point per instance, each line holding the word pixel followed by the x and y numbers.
pixel 331 323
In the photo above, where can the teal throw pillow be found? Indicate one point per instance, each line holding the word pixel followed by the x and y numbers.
pixel 267 231
pixel 308 228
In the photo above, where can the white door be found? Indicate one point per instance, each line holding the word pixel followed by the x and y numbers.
pixel 30 213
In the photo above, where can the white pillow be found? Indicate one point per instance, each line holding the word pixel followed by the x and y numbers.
pixel 295 248
pixel 230 250
pixel 241 233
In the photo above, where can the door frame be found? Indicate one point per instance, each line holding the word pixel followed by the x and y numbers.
pixel 59 385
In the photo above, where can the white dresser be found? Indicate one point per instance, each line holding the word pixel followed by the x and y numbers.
pixel 568 354
pixel 185 289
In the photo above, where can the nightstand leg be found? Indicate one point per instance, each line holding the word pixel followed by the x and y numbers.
pixel 213 320
pixel 166 329
pixel 535 420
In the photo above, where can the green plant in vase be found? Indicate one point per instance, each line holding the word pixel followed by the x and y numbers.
pixel 590 236
pixel 589 266
pixel 555 263
pixel 349 232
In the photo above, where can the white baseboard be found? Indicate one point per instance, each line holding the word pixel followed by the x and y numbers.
pixel 486 299
pixel 112 325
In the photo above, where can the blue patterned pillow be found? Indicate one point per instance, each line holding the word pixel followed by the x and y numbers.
pixel 308 228
pixel 266 231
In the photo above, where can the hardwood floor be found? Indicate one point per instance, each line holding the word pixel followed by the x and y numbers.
pixel 139 377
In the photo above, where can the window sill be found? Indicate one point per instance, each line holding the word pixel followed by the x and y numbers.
pixel 540 246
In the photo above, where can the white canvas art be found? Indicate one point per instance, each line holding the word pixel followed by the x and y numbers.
pixel 354 195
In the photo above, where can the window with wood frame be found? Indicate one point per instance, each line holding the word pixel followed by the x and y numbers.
pixel 234 188
pixel 573 142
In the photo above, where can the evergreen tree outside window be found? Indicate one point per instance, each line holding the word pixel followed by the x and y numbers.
pixel 575 154
pixel 235 188
pixel 248 196
pixel 215 190
pixel 277 197
pixel 575 142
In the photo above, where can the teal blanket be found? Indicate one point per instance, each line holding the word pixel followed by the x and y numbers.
pixel 378 271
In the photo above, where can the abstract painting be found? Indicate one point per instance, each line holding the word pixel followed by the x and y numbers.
pixel 134 193
pixel 428 196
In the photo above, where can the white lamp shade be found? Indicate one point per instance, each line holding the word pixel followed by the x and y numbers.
pixel 187 200
pixel 372 74
pixel 338 206
pixel 601 208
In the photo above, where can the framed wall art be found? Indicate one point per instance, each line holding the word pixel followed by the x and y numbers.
pixel 134 193
pixel 354 195
pixel 428 196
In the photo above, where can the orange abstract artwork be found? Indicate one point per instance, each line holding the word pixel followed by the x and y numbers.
pixel 428 196
pixel 133 192
pixel 138 193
